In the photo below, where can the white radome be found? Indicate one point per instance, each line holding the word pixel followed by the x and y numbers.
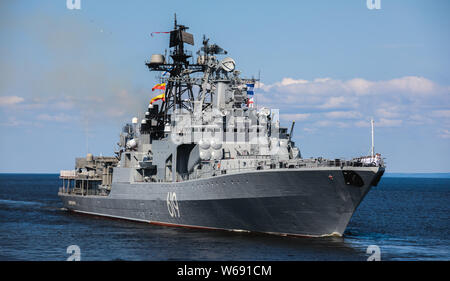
pixel 203 144
pixel 205 154
pixel 228 64
pixel 216 144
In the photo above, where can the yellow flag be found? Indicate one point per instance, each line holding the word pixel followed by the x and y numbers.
pixel 158 97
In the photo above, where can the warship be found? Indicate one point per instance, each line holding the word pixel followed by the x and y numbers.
pixel 204 156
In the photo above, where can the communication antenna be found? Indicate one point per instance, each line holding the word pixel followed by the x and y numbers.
pixel 87 135
pixel 259 78
pixel 373 145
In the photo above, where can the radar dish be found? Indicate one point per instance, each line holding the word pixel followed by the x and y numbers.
pixel 228 64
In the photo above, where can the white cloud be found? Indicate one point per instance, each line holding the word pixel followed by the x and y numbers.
pixel 408 100
pixel 388 122
pixel 411 84
pixel 386 98
pixel 359 86
pixel 334 102
pixel 328 123
pixel 444 133
pixel 382 122
pixel 355 86
pixel 61 117
pixel 296 117
pixel 310 130
pixel 441 113
pixel 343 115
pixel 323 123
pixel 64 105
pixel 14 122
pixel 389 111
pixel 290 81
pixel 418 119
pixel 362 123
pixel 10 100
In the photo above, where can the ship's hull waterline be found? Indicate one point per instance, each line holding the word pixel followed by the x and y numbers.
pixel 303 202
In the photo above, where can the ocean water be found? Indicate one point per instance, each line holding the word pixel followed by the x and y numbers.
pixel 406 218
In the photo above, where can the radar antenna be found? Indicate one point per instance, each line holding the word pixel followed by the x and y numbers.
pixel 373 145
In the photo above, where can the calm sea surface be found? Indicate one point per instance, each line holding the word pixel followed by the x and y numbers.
pixel 407 218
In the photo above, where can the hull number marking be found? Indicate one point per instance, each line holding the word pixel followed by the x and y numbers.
pixel 172 205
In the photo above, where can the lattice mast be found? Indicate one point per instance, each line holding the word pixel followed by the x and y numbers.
pixel 178 92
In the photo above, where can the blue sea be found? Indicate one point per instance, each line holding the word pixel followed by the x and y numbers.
pixel 407 218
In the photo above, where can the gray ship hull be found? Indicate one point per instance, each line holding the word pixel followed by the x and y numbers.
pixel 304 202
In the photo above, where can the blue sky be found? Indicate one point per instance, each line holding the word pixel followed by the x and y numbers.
pixel 69 79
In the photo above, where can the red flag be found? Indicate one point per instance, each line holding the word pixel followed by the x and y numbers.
pixel 151 34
